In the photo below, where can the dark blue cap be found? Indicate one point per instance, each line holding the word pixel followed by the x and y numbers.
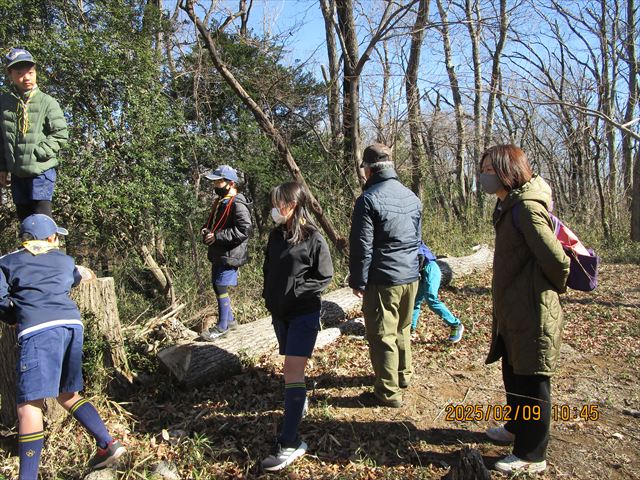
pixel 223 171
pixel 18 55
pixel 41 226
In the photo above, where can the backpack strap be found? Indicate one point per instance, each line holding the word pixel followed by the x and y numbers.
pixel 515 219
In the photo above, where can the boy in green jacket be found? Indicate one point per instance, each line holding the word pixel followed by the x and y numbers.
pixel 32 131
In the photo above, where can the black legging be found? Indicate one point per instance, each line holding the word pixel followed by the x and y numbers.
pixel 532 437
pixel 36 206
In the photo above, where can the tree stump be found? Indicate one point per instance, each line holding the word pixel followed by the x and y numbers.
pixel 99 308
pixel 195 363
pixel 97 302
pixel 470 466
pixel 8 359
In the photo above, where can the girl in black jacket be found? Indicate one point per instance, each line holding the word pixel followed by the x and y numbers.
pixel 297 268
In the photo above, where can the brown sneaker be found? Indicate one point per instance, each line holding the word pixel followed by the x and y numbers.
pixel 370 399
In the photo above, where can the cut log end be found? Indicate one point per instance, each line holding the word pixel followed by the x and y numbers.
pixel 470 465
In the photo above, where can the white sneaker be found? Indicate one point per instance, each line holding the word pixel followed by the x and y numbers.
pixel 512 464
pixel 500 434
pixel 283 457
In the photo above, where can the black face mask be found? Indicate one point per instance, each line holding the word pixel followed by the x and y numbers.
pixel 222 191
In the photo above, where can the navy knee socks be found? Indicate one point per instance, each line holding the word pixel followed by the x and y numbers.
pixel 29 449
pixel 85 413
pixel 294 397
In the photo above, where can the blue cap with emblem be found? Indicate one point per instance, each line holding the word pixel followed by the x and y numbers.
pixel 41 227
pixel 18 55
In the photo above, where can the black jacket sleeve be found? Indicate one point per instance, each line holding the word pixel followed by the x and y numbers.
pixel 239 228
pixel 319 277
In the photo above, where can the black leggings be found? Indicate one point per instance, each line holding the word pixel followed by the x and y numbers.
pixel 523 393
pixel 36 206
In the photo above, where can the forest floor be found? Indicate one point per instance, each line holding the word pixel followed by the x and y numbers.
pixel 224 430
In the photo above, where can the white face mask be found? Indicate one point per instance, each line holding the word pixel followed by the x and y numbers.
pixel 277 216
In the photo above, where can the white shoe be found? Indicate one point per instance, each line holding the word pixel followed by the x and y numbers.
pixel 500 434
pixel 512 464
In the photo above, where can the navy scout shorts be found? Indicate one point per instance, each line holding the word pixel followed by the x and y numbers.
pixel 27 189
pixel 297 336
pixel 224 276
pixel 49 363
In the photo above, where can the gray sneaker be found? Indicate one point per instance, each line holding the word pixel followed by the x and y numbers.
pixel 456 333
pixel 213 333
pixel 107 456
pixel 283 457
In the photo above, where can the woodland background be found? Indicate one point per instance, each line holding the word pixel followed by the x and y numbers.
pixel 154 101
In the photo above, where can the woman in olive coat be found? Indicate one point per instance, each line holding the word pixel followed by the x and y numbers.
pixel 530 269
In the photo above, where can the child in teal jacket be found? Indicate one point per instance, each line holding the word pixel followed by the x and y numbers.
pixel 430 276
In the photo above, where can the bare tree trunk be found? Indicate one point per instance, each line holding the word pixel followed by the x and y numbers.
pixel 432 153
pixel 457 103
pixel 333 93
pixel 161 274
pixel 353 65
pixel 606 96
pixel 635 200
pixel 350 88
pixel 244 16
pixel 381 134
pixel 496 58
pixel 413 97
pixel 265 124
pixel 632 99
pixel 474 20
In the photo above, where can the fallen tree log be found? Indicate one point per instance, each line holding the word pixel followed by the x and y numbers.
pixel 454 268
pixel 197 363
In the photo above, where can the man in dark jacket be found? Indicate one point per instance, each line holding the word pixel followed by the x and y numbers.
pixel 386 231
pixel 227 234
pixel 32 131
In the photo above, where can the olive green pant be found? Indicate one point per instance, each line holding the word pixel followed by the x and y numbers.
pixel 387 313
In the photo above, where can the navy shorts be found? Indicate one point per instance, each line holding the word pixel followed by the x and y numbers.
pixel 49 363
pixel 224 276
pixel 297 336
pixel 26 190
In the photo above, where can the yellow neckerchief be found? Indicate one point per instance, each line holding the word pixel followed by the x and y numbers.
pixel 22 112
pixel 37 247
